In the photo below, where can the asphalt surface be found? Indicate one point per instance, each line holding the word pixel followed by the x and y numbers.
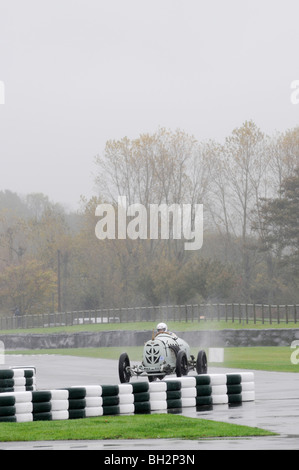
pixel 276 408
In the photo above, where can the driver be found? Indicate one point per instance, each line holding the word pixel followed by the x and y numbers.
pixel 162 328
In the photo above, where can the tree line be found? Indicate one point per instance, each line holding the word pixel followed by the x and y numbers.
pixel 50 259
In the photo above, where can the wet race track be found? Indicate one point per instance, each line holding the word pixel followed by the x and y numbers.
pixel 276 407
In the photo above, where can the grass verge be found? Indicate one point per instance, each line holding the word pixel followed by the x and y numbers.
pixel 176 326
pixel 155 426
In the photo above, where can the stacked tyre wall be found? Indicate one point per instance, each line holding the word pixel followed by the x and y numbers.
pixel 139 397
pixel 17 380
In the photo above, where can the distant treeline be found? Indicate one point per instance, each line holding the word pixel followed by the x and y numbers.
pixel 50 259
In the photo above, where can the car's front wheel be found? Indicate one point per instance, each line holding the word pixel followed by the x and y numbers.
pixel 124 368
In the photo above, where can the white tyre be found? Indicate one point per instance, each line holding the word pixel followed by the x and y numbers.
pixel 126 409
pixel 60 414
pixel 22 397
pixel 247 377
pixel 59 394
pixel 187 382
pixel 23 408
pixel 125 389
pixel 126 399
pixel 59 405
pixel 93 411
pixel 247 386
pixel 248 396
pixel 188 392
pixel 158 405
pixel 218 379
pixel 219 399
pixel 188 402
pixel 93 401
pixel 157 387
pixel 156 396
pixel 24 417
pixel 219 389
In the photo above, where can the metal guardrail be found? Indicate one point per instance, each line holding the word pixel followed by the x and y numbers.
pixel 241 313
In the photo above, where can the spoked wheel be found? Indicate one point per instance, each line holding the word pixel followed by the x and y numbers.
pixel 201 363
pixel 123 368
pixel 181 364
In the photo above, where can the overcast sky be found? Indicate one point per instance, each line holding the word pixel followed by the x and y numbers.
pixel 80 72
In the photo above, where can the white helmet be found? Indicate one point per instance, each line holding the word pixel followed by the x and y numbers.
pixel 161 327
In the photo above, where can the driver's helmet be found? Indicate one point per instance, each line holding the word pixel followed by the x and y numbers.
pixel 161 327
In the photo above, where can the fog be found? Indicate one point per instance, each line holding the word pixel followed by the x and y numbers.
pixel 77 73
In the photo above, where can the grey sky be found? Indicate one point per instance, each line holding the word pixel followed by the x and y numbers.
pixel 80 72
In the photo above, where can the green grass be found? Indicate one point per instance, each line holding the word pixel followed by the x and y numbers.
pixel 257 358
pixel 149 326
pixel 155 426
pixel 260 358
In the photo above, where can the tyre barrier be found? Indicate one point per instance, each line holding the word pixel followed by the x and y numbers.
pixel 176 393
pixel 215 389
pixel 17 380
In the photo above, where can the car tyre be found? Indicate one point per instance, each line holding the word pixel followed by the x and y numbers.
pixel 181 364
pixel 201 363
pixel 123 368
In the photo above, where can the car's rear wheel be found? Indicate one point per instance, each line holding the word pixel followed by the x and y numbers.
pixel 123 368
pixel 181 364
pixel 201 363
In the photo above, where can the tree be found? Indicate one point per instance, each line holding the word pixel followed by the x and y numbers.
pixel 279 230
pixel 165 167
pixel 239 180
pixel 28 286
pixel 198 280
pixel 284 158
pixel 13 239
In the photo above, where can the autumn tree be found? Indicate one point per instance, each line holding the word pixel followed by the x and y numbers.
pixel 28 286
pixel 239 180
pixel 199 280
pixel 283 159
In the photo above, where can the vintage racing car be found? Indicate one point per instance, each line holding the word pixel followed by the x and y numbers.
pixel 164 354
